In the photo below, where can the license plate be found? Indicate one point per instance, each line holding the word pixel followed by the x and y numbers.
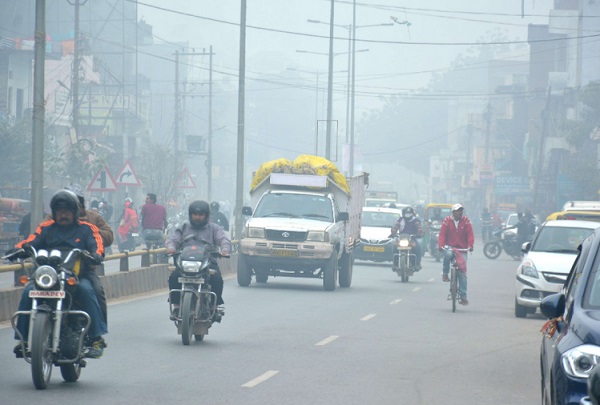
pixel 282 252
pixel 374 249
pixel 46 294
pixel 190 280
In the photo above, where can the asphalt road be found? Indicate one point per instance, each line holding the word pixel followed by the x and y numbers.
pixel 289 341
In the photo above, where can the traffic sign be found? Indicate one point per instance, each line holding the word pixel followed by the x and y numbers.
pixel 127 176
pixel 185 180
pixel 102 181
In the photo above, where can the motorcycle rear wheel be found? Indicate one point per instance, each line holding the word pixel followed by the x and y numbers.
pixel 41 351
pixel 492 250
pixel 187 317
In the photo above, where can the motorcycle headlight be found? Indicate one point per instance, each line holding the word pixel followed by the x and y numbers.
pixel 317 236
pixel 256 233
pixel 579 361
pixel 403 243
pixel 190 267
pixel 45 277
pixel 528 269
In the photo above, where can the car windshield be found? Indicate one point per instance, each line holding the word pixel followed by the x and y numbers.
pixel 295 206
pixel 438 213
pixel 379 219
pixel 512 220
pixel 559 239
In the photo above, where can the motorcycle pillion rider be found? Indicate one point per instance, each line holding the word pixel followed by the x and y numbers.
pixel 199 226
pixel 408 223
pixel 66 231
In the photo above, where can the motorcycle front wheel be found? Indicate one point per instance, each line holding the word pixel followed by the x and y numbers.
pixel 187 317
pixel 70 372
pixel 41 350
pixel 492 250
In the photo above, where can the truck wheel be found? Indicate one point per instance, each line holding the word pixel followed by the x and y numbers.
pixel 244 273
pixel 262 277
pixel 330 273
pixel 346 266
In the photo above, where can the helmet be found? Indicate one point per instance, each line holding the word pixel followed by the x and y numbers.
pixel 64 199
pixel 199 207
pixel 408 213
pixel 214 206
pixel 129 202
pixel 78 191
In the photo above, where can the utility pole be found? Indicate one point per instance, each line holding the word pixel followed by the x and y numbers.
pixel 351 168
pixel 37 148
pixel 330 83
pixel 239 191
pixel 176 127
pixel 545 115
pixel 488 126
pixel 76 67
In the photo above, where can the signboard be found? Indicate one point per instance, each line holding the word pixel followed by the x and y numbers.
pixel 186 181
pixel 102 181
pixel 127 176
pixel 512 185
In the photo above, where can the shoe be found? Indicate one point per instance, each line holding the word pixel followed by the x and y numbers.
pixel 174 314
pixel 18 350
pixel 418 267
pixel 97 349
pixel 445 278
pixel 464 301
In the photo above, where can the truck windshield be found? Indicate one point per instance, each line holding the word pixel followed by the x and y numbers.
pixel 295 206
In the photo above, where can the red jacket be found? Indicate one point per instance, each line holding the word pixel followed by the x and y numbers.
pixel 462 237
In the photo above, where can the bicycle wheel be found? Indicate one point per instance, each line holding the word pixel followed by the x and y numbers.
pixel 454 286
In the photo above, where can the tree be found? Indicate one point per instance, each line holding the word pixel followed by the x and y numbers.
pixel 15 154
pixel 160 170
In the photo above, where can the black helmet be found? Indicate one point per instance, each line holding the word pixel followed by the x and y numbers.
pixel 64 199
pixel 78 191
pixel 199 207
pixel 214 206
pixel 408 213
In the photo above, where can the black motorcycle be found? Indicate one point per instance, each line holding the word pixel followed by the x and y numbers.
pixel 197 303
pixel 502 241
pixel 57 326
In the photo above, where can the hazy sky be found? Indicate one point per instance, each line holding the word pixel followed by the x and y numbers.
pixel 386 67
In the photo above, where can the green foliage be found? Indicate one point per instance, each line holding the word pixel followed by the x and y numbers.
pixel 15 153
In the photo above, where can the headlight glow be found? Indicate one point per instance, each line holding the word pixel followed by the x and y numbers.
pixel 580 361
pixel 256 233
pixel 317 236
pixel 528 269
pixel 45 277
pixel 403 243
pixel 190 267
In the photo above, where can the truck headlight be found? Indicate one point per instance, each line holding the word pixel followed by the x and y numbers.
pixel 579 361
pixel 256 233
pixel 45 277
pixel 528 269
pixel 317 236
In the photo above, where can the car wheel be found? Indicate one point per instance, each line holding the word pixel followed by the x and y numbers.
pixel 521 311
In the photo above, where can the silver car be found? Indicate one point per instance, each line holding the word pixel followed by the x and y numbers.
pixel 375 228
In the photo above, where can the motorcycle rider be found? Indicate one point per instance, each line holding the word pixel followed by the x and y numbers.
pixel 129 224
pixel 199 226
pixel 408 223
pixel 486 222
pixel 65 232
pixel 525 229
pixel 217 216
pixel 154 220
pixel 456 232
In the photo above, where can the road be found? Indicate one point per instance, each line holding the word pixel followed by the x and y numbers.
pixel 288 341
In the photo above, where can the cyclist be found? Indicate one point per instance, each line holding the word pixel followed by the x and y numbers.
pixel 456 232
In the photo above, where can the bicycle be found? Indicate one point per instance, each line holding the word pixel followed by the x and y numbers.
pixel 453 274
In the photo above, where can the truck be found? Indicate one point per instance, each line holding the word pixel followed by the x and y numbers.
pixel 374 198
pixel 302 225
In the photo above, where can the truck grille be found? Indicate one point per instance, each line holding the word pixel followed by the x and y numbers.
pixel 285 236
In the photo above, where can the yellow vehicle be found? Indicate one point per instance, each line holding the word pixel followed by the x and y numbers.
pixel 432 223
pixel 580 215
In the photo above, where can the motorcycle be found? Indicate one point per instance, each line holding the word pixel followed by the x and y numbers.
pixel 502 240
pixel 198 304
pixel 57 326
pixel 405 260
pixel 434 234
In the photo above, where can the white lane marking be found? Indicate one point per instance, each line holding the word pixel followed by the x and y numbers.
pixel 396 301
pixel 366 318
pixel 416 289
pixel 260 379
pixel 327 340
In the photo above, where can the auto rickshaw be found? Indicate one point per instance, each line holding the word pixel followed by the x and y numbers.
pixel 432 223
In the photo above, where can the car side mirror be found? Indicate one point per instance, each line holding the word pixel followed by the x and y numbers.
pixel 553 305
pixel 246 211
pixel 525 247
pixel 343 216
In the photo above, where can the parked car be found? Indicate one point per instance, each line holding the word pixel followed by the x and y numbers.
pixel 375 227
pixel 548 259
pixel 571 342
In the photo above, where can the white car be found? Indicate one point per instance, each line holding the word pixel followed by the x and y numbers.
pixel 375 228
pixel 547 262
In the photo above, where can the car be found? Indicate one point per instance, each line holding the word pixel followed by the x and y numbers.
pixel 375 227
pixel 548 258
pixel 570 346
